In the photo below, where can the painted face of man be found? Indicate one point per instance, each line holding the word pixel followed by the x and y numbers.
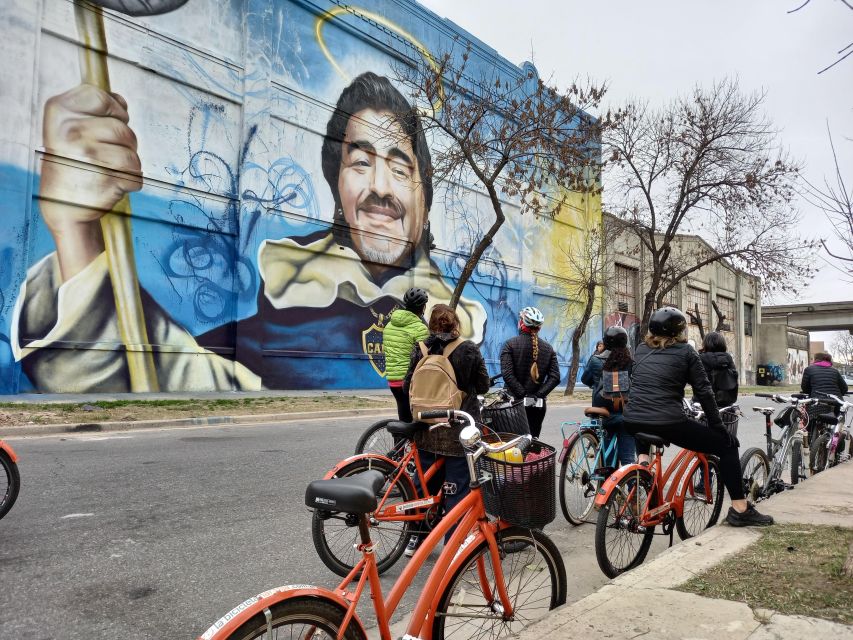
pixel 380 188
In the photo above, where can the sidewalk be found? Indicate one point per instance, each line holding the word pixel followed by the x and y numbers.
pixel 643 604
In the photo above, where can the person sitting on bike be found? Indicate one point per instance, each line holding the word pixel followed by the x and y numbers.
pixel 663 365
pixel 472 378
pixel 720 368
pixel 618 359
pixel 404 330
pixel 821 377
pixel 529 367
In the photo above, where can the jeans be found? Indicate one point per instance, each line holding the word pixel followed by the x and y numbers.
pixel 454 477
pixel 626 446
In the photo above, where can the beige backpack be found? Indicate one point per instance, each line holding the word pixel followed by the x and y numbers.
pixel 433 384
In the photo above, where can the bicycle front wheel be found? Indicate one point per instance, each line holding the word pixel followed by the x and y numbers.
pixel 302 618
pixel 755 469
pixel 335 536
pixel 621 542
pixel 798 468
pixel 376 439
pixel 535 579
pixel 577 489
pixel 701 508
pixel 10 483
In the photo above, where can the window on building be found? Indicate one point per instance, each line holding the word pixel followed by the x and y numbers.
pixel 626 289
pixel 747 318
pixel 671 298
pixel 697 297
pixel 727 308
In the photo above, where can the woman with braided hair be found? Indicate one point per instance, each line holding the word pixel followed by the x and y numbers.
pixel 529 367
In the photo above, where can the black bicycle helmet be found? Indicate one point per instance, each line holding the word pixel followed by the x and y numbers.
pixel 415 298
pixel 615 338
pixel 668 321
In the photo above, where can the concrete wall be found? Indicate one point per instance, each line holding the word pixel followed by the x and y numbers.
pixel 783 354
pixel 253 272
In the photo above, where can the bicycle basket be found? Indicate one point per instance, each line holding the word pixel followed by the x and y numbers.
pixel 816 410
pixel 730 422
pixel 506 418
pixel 522 493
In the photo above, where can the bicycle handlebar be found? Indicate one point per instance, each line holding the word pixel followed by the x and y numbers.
pixel 794 398
pixel 436 413
pixel 450 414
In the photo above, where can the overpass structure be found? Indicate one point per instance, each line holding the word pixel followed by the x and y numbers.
pixel 815 316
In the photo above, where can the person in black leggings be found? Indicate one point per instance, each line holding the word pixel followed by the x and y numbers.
pixel 663 365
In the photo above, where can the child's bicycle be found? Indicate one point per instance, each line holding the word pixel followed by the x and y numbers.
pixel 10 478
pixel 762 472
pixel 492 578
pixel 635 499
pixel 588 457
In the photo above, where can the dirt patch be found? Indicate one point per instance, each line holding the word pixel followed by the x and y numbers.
pixel 14 414
pixel 794 569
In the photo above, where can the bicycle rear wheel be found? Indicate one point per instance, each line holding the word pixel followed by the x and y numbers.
pixel 798 467
pixel 10 483
pixel 376 439
pixel 755 470
pixel 701 509
pixel 335 536
pixel 577 489
pixel 621 543
pixel 535 579
pixel 303 618
pixel 818 453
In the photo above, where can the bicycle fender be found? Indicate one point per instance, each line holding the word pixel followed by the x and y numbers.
pixel 8 449
pixel 244 611
pixel 608 485
pixel 331 473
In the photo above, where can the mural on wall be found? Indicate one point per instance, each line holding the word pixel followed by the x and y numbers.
pixel 285 206
pixel 796 363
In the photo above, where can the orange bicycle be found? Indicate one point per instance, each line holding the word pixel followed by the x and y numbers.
pixel 494 576
pixel 636 499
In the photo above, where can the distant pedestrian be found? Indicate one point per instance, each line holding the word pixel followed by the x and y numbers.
pixel 599 347
pixel 405 328
pixel 720 367
pixel 529 367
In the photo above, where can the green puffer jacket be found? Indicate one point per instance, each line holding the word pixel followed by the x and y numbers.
pixel 401 333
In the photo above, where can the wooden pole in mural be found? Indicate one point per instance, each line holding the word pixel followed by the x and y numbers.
pixel 118 238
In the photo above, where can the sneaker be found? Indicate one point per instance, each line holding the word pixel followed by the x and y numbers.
pixel 749 518
pixel 414 543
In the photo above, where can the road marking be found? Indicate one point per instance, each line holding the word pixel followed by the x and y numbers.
pixel 76 515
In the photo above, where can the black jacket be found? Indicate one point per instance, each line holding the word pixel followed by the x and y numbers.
pixel 657 386
pixel 715 362
pixel 516 360
pixel 472 378
pixel 594 367
pixel 824 379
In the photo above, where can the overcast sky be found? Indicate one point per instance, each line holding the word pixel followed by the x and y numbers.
pixel 659 49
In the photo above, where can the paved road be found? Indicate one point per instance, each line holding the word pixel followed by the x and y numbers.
pixel 154 534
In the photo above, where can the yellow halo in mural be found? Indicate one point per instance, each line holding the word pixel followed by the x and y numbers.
pixel 335 12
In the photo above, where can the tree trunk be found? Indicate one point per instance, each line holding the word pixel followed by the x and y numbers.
pixel 576 339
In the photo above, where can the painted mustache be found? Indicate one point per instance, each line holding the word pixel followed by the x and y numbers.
pixel 386 206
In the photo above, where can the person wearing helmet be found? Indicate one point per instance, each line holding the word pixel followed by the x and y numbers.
pixel 529 367
pixel 404 330
pixel 615 357
pixel 663 365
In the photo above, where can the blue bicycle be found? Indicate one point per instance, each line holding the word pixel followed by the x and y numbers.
pixel 588 457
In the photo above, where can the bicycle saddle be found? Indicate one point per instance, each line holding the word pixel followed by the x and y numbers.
pixel 827 418
pixel 655 440
pixel 355 494
pixel 405 429
pixel 596 412
pixel 767 411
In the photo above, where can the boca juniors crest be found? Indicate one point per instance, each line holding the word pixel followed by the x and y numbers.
pixel 371 342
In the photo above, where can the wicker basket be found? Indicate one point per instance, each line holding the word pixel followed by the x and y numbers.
pixel 506 417
pixel 522 493
pixel 730 422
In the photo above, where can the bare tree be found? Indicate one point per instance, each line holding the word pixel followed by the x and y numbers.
pixel 842 348
pixel 835 199
pixel 515 137
pixel 583 258
pixel 706 164
pixel 844 52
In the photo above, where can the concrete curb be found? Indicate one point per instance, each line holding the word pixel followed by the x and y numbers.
pixel 13 431
pixel 641 602
pixel 105 427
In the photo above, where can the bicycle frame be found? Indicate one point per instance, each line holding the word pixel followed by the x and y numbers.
pixel 397 512
pixel 472 527
pixel 606 455
pixel 668 487
pixel 778 449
